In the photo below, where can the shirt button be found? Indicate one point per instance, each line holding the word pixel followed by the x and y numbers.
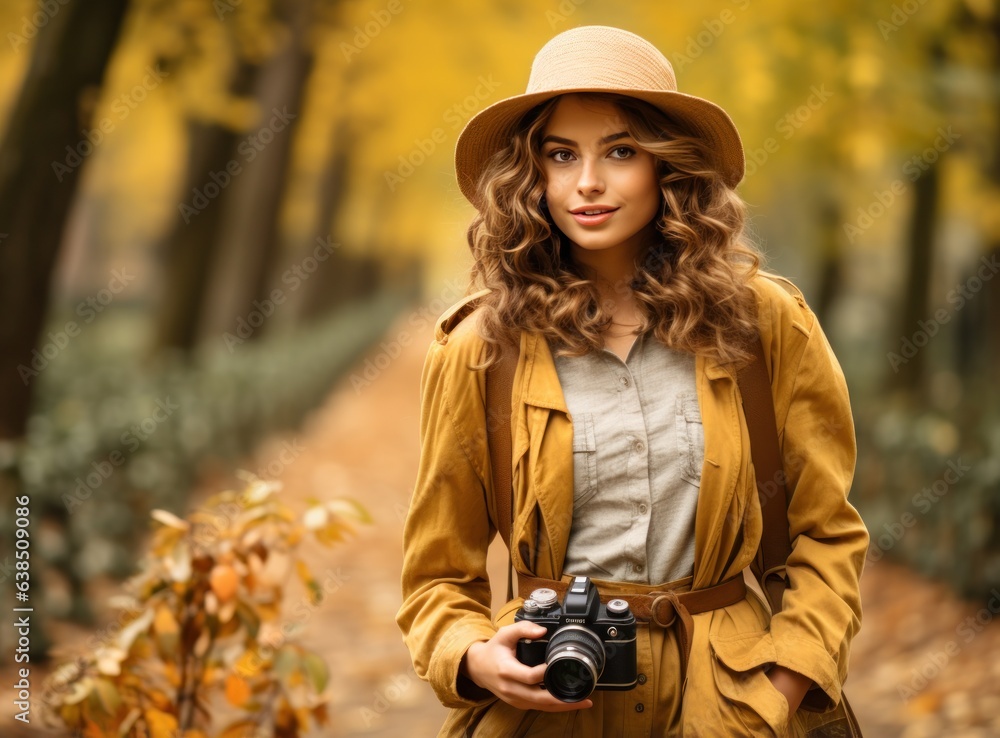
pixel 638 568
pixel 641 679
pixel 639 707
pixel 640 446
pixel 642 509
pixel 623 380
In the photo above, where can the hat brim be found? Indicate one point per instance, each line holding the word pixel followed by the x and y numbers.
pixel 489 130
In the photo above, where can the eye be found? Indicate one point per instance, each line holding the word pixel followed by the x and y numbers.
pixel 561 155
pixel 622 152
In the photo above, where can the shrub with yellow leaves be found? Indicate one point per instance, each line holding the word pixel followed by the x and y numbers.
pixel 201 631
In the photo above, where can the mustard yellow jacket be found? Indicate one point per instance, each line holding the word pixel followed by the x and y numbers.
pixel 445 586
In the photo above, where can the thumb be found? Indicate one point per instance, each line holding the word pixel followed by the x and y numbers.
pixel 510 634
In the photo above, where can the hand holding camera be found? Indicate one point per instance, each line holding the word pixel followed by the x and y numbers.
pixel 571 650
pixel 493 665
pixel 586 646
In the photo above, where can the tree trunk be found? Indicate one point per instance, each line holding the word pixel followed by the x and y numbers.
pixel 37 184
pixel 38 180
pixel 831 255
pixel 188 254
pixel 250 251
pixel 916 303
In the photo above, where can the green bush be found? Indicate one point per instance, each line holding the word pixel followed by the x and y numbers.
pixel 928 486
pixel 111 439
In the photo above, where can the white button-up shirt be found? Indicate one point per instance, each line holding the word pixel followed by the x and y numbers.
pixel 638 448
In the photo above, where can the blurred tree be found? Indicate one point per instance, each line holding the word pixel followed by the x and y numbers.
pixel 981 24
pixel 188 250
pixel 52 114
pixel 253 237
pixel 919 238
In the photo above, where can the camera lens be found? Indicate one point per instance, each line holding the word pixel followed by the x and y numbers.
pixel 575 658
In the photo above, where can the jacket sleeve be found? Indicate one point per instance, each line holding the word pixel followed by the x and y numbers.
pixel 445 585
pixel 821 607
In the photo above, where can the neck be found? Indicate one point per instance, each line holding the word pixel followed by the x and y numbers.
pixel 612 268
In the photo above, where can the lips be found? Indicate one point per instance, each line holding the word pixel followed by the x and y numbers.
pixel 592 215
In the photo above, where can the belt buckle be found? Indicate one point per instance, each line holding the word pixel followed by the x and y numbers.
pixel 654 611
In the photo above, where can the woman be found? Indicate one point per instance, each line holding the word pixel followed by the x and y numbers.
pixel 609 247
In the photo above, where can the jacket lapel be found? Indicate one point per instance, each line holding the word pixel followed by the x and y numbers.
pixel 719 514
pixel 543 457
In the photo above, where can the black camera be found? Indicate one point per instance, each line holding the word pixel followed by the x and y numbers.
pixel 588 645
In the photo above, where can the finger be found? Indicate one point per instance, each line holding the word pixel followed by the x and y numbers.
pixel 509 635
pixel 512 670
pixel 527 697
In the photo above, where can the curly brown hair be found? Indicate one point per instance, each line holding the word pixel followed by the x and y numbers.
pixel 692 288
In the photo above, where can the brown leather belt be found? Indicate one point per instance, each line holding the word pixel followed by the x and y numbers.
pixel 663 608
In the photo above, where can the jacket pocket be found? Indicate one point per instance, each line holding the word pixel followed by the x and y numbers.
pixel 584 459
pixel 690 436
pixel 738 664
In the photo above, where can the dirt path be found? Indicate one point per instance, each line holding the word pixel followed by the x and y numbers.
pixel 363 444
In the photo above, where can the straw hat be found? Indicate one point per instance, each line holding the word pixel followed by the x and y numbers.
pixel 597 59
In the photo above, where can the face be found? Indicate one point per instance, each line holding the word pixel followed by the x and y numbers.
pixel 602 190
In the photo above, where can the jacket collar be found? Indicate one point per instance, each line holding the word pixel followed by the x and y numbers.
pixel 541 382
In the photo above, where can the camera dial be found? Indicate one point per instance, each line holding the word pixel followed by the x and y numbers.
pixel 545 598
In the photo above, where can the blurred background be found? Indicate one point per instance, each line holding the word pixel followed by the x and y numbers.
pixel 227 226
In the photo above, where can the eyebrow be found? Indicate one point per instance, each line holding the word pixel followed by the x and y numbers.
pixel 570 142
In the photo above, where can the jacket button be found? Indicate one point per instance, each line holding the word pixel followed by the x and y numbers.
pixel 641 679
pixel 639 707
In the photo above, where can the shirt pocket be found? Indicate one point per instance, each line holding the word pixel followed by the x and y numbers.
pixel 690 434
pixel 584 458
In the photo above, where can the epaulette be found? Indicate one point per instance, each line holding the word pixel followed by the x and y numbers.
pixel 787 285
pixel 457 313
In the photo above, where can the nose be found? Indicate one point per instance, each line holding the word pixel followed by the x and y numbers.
pixel 591 180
